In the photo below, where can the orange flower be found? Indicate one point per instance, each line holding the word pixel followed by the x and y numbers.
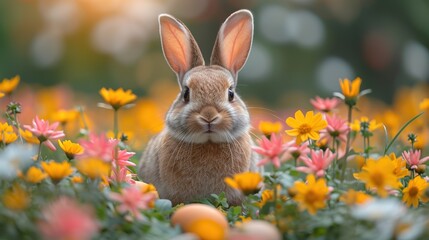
pixel 8 85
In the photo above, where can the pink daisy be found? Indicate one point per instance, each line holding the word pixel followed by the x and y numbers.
pixel 317 163
pixel 271 149
pixel 325 105
pixel 45 132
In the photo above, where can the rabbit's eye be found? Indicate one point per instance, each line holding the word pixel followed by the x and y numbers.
pixel 230 94
pixel 186 95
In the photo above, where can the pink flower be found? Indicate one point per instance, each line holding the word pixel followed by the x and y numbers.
pixel 318 163
pixel 324 105
pixel 133 200
pixel 45 132
pixel 413 158
pixel 66 219
pixel 98 146
pixel 337 128
pixel 295 151
pixel 123 157
pixel 271 149
pixel 121 174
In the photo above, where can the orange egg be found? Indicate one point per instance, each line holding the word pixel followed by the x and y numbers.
pixel 202 220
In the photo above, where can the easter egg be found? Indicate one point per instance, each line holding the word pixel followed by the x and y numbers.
pixel 204 221
pixel 256 230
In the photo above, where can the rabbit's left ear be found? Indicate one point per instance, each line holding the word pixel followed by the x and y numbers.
pixel 233 42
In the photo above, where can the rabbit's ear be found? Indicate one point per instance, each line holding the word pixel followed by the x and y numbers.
pixel 233 42
pixel 179 46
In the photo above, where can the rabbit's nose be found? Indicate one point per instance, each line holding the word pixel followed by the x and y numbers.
pixel 209 114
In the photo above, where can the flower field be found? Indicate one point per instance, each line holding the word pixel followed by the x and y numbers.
pixel 337 171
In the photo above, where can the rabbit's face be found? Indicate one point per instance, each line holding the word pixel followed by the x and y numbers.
pixel 208 108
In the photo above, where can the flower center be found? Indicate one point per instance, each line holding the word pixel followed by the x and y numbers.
pixel 378 179
pixel 311 197
pixel 413 191
pixel 304 128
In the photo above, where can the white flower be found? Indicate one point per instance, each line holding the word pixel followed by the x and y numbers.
pixel 15 157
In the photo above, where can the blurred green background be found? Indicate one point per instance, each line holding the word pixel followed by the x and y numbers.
pixel 301 47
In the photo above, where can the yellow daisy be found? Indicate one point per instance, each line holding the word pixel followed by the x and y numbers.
pixel 350 89
pixel 246 182
pixel 379 175
pixel 400 164
pixel 16 198
pixel 415 191
pixel 7 135
pixel 34 175
pixel 64 116
pixel 372 125
pixel 267 127
pixel 57 171
pixel 70 149
pixel 93 167
pixel 117 98
pixel 352 197
pixel 312 195
pixel 29 137
pixel 7 86
pixel 305 127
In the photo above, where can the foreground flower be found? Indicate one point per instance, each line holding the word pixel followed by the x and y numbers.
pixel 117 98
pixel 246 182
pixel 379 175
pixel 267 128
pixel 7 86
pixel 34 175
pixel 7 135
pixel 424 104
pixel 57 171
pixel 16 198
pixel 70 149
pixel 66 219
pixel 325 105
pixel 45 132
pixel 307 127
pixel 352 197
pixel 351 91
pixel 123 158
pixel 337 129
pixel 98 146
pixel 415 191
pixel 317 163
pixel 271 149
pixel 207 229
pixel 93 167
pixel 133 200
pixel 312 195
pixel 413 158
pixel 14 158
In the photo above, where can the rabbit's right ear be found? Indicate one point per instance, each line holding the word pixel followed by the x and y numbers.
pixel 179 46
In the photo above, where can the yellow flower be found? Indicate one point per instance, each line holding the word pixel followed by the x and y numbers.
pixel 246 182
pixel 415 191
pixel 7 135
pixel 117 98
pixel 207 229
pixel 64 116
pixel 311 195
pixel 70 149
pixel 267 127
pixel 379 175
pixel 424 105
pixel 29 137
pixel 16 198
pixel 266 195
pixel 400 164
pixel 372 125
pixel 93 167
pixel 34 175
pixel 8 85
pixel 352 197
pixel 350 89
pixel 77 179
pixel 57 171
pixel 305 127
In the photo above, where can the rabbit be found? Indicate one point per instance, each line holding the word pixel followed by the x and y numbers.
pixel 207 132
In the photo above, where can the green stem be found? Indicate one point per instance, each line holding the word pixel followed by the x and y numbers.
pixel 39 152
pixel 334 163
pixel 115 134
pixel 276 215
pixel 344 165
pixel 18 127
